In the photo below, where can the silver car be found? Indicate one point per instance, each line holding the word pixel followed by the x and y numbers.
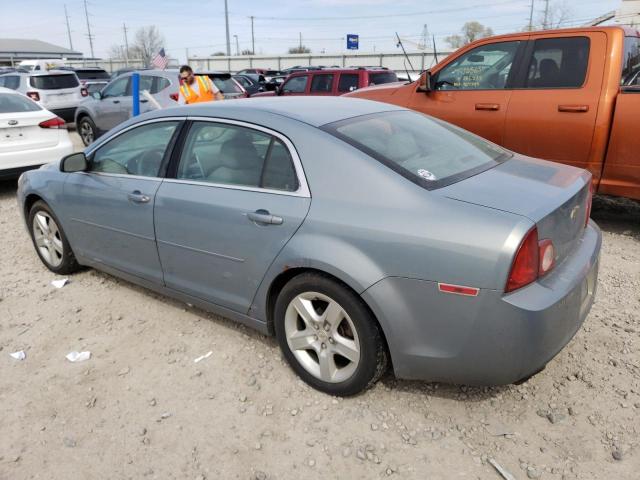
pixel 58 91
pixel 361 234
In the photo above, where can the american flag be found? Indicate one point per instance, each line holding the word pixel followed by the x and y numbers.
pixel 160 60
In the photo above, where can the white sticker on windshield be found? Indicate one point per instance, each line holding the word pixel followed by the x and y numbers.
pixel 426 174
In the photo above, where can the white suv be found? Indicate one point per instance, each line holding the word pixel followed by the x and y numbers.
pixel 58 91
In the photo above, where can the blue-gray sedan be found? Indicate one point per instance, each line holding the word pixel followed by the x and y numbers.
pixel 359 233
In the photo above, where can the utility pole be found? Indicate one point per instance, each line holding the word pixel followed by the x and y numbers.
pixel 531 16
pixel 86 14
pixel 546 15
pixel 253 39
pixel 186 51
pixel 300 34
pixel 226 22
pixel 237 46
pixel 66 15
pixel 126 45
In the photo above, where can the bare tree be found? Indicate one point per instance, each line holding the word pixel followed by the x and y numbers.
pixel 148 41
pixel 470 32
pixel 116 51
pixel 219 54
pixel 299 49
pixel 555 16
pixel 248 51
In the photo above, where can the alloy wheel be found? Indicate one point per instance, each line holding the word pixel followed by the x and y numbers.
pixel 47 238
pixel 86 132
pixel 322 337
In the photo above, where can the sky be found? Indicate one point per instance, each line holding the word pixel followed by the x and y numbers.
pixel 198 27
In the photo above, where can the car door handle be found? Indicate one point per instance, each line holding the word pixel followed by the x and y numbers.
pixel 488 106
pixel 573 108
pixel 116 101
pixel 143 100
pixel 138 197
pixel 264 217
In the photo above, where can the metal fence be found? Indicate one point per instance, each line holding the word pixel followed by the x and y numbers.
pixel 395 61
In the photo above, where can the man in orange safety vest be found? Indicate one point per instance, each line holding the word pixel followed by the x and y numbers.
pixel 197 88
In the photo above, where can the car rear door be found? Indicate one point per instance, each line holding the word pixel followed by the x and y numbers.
pixel 237 196
pixel 110 207
pixel 473 89
pixel 552 115
pixel 322 84
pixel 126 107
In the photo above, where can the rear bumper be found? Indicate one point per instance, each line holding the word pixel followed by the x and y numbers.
pixel 491 339
pixel 67 114
pixel 11 163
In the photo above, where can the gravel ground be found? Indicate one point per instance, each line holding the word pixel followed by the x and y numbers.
pixel 141 407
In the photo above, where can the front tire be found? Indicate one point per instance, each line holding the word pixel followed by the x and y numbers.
pixel 50 241
pixel 87 130
pixel 328 335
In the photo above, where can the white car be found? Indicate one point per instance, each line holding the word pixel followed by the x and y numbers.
pixel 29 134
pixel 56 90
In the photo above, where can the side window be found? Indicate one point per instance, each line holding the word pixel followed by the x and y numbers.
pixel 348 82
pixel 117 89
pixel 243 81
pixel 558 63
pixel 631 62
pixel 10 81
pixel 146 82
pixel 296 84
pixel 485 67
pixel 322 83
pixel 159 84
pixel 137 152
pixel 232 155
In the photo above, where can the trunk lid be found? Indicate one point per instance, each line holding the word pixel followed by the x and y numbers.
pixel 552 195
pixel 20 131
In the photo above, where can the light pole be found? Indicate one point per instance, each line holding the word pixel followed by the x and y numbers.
pixel 237 46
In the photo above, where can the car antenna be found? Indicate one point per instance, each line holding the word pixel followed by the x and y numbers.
pixel 435 52
pixel 399 44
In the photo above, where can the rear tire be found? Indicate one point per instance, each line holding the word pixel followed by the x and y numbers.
pixel 50 240
pixel 328 335
pixel 87 130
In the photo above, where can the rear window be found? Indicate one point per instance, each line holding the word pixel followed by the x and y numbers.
pixel 54 82
pixel 14 103
pixel 382 77
pixel 93 74
pixel 631 62
pixel 426 151
pixel 226 85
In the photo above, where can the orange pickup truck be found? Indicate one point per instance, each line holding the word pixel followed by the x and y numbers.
pixel 571 96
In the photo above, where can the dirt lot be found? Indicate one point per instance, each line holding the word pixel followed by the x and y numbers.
pixel 141 407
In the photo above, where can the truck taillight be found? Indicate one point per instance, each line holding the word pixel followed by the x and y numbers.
pixel 174 96
pixel 35 96
pixel 533 260
pixel 55 122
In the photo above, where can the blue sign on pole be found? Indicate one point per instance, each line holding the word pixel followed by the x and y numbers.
pixel 135 91
pixel 352 41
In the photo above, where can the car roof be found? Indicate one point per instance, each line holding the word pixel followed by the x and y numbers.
pixel 315 111
pixel 38 73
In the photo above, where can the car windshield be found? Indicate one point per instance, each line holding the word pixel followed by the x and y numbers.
pixel 54 82
pixel 14 103
pixel 427 151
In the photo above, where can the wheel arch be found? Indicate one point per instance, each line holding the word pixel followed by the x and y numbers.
pixel 29 200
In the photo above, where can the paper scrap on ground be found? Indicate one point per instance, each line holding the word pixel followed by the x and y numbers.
pixel 59 283
pixel 18 355
pixel 206 355
pixel 501 470
pixel 78 356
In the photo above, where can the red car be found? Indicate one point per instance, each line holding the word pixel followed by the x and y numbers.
pixel 332 82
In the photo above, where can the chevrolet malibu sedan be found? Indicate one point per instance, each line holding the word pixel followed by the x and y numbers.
pixel 360 234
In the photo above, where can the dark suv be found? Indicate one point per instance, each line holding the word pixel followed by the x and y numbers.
pixel 335 81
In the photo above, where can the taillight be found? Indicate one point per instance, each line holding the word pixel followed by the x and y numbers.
pixel 35 96
pixel 55 122
pixel 84 92
pixel 533 260
pixel 589 202
pixel 174 96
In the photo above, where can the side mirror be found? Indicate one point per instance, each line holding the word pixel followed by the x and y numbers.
pixel 97 95
pixel 425 83
pixel 76 162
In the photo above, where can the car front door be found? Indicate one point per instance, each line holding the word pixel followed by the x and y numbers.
pixel 552 115
pixel 473 89
pixel 235 198
pixel 110 206
pixel 109 107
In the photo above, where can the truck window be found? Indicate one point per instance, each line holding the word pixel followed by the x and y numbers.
pixel 296 84
pixel 322 83
pixel 631 62
pixel 348 82
pixel 558 63
pixel 484 68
